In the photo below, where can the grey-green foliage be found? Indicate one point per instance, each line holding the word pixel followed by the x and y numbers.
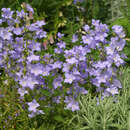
pixel 118 9
pixel 110 114
pixel 125 8
pixel 119 13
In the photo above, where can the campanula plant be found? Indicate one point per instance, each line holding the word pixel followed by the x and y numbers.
pixel 49 78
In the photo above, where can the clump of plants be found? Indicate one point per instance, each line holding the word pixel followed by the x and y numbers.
pixel 49 78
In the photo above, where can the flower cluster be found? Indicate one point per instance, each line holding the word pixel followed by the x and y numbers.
pixel 19 41
pixel 68 72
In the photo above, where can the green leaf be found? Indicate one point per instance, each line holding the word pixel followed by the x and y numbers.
pixel 46 127
pixel 59 118
pixel 45 92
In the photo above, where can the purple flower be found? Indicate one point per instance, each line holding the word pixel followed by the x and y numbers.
pixel 40 112
pixel 71 104
pixel 75 1
pixel 14 54
pixel 110 50
pixel 86 28
pixel 89 40
pixel 32 115
pixel 46 71
pixel 33 106
pixel 34 46
pixel 75 38
pixel 17 31
pixel 86 39
pixel 40 23
pixel 112 90
pixel 19 74
pixel 82 66
pixel 1 45
pixel 36 69
pixel 117 29
pixel 66 67
pixel 47 57
pixel 57 82
pixel 102 64
pixel 1 95
pixel 7 13
pixel 101 28
pixel 58 50
pixel 5 34
pixel 102 78
pixel 69 53
pixel 69 78
pixel 61 44
pixel 1 21
pixel 75 71
pixel 23 81
pixel 28 81
pixel 33 58
pixel 57 64
pixel 29 8
pixel 117 83
pixel 122 35
pixel 72 60
pixel 22 91
pixel 95 22
pixel 57 99
pixel 60 35
pixel 33 27
pixel 120 45
pixel 21 13
pixel 79 89
pixel 101 36
pixel 41 34
pixel 117 59
pixel 80 53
